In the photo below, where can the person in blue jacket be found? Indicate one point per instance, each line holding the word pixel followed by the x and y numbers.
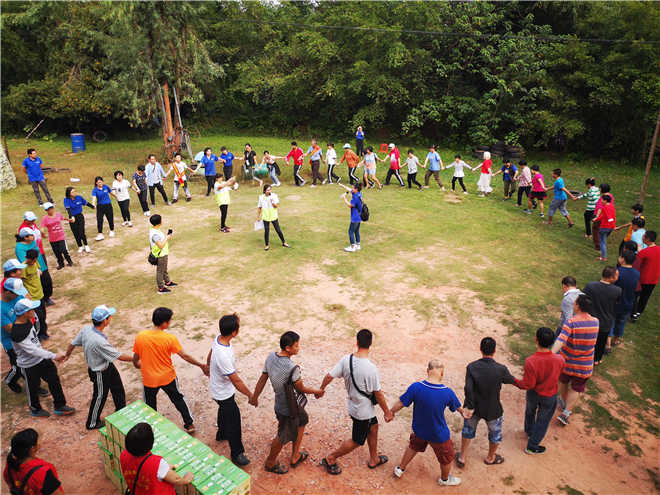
pixel 355 204
pixel 32 167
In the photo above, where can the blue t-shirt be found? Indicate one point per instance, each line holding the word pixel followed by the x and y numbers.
pixel 559 186
pixel 316 155
pixel 8 318
pixel 434 161
pixel 638 237
pixel 33 168
pixel 102 195
pixel 356 201
pixel 209 164
pixel 430 400
pixel 628 278
pixel 22 249
pixel 508 173
pixel 228 158
pixel 75 205
pixel 359 135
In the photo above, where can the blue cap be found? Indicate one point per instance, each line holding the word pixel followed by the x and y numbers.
pixel 24 232
pixel 24 305
pixel 47 205
pixel 13 264
pixel 16 286
pixel 102 312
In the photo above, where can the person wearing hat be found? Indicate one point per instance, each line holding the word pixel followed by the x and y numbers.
pixel 56 236
pixel 12 291
pixel 32 167
pixel 36 363
pixel 12 269
pixel 99 355
pixel 395 165
pixel 352 161
pixel 32 283
pixel 30 221
pixel 25 242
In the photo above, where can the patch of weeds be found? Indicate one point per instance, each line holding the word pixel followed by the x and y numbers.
pixel 569 490
pixel 335 307
pixel 521 491
pixel 605 448
pixel 633 448
pixel 198 336
pixel 655 478
pixel 508 480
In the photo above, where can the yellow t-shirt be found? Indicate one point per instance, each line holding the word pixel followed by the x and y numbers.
pixel 32 282
pixel 155 348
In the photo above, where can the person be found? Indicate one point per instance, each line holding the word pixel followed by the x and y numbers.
pixel 73 203
pixel 24 243
pixel 272 168
pixel 595 227
pixel 508 172
pixel 30 221
pixel 576 344
pixel 524 179
pixel 32 168
pixel 604 298
pixel 606 218
pixel 571 292
pixel 155 175
pixel 141 188
pixel 352 161
pixel 101 201
pixel 435 164
pixel 32 282
pixel 208 164
pixel 249 162
pixel 12 268
pixel 412 162
pixel 483 383
pixel 359 141
pixel 637 237
pixel 395 165
pixel 593 195
pixel 369 159
pixel 648 264
pixel 121 188
pixel 315 154
pixel 224 381
pixel 222 189
pixel 430 398
pixel 284 374
pixel 538 191
pixel 296 154
pixel 152 353
pixel 25 472
pixel 636 211
pixel 331 160
pixel 363 392
pixel 12 291
pixel 560 197
pixel 267 210
pixel 628 280
pixel 227 159
pixel 159 243
pixel 458 165
pixel 156 476
pixel 56 236
pixel 483 185
pixel 100 355
pixel 355 204
pixel 179 167
pixel 35 362
pixel 542 371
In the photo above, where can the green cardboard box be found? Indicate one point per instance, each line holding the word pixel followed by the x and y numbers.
pixel 214 485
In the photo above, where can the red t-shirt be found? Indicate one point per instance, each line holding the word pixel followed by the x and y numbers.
pixel 607 216
pixel 54 226
pixel 486 165
pixel 648 264
pixel 394 159
pixel 42 482
pixel 148 482
pixel 542 370
pixel 297 155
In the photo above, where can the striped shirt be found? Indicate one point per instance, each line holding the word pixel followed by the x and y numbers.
pixel 593 195
pixel 579 339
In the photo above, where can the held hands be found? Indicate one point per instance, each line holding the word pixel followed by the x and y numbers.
pixel 188 477
pixel 467 413
pixel 319 393
pixel 389 416
pixel 60 358
pixel 253 401
pixel 205 369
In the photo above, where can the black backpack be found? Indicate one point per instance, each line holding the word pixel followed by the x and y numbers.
pixel 364 212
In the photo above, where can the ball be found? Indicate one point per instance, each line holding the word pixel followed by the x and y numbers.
pixel 235 186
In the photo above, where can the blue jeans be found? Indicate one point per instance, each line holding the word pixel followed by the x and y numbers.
pixel 354 233
pixel 494 428
pixel 619 324
pixel 604 233
pixel 273 176
pixel 538 413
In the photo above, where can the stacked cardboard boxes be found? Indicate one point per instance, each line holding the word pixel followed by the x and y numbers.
pixel 213 474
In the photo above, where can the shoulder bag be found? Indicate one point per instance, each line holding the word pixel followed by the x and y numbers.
pixel 14 490
pixel 296 401
pixel 131 491
pixel 372 396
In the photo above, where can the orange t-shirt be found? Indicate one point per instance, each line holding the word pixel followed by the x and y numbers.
pixel 155 348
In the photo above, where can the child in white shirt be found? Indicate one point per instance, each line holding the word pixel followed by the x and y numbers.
pixel 120 187
pixel 412 162
pixel 458 165
pixel 331 160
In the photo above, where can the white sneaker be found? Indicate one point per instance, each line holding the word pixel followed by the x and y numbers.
pixel 147 213
pixel 99 237
pixel 313 185
pixel 398 472
pixel 349 249
pixel 129 223
pixel 112 233
pixel 80 249
pixel 451 481
pixel 465 192
pixel 357 247
pixel 325 181
pixel 123 224
pixel 87 250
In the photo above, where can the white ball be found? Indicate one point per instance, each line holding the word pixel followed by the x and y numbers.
pixel 235 186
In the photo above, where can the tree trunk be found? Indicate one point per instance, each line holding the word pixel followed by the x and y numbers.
pixel 7 177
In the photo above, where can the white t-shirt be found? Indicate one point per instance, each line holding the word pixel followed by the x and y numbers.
pixel 366 377
pixel 181 167
pixel 155 236
pixel 121 189
pixel 412 164
pixel 331 157
pixel 222 365
pixel 267 202
pixel 163 469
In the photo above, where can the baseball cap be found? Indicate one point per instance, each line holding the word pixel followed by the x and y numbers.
pixel 47 205
pixel 29 216
pixel 16 286
pixel 13 264
pixel 391 145
pixel 102 312
pixel 24 305
pixel 347 146
pixel 24 232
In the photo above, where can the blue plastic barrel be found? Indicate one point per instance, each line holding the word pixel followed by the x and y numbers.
pixel 77 142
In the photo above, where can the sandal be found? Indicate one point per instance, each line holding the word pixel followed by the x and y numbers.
pixel 284 244
pixel 303 456
pixel 459 463
pixel 382 459
pixel 330 468
pixel 277 469
pixel 498 460
pixel 266 248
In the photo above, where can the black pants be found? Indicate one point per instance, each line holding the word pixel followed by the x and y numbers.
pixel 509 188
pixel 229 425
pixel 228 171
pixel 144 204
pixel 41 316
pixel 104 381
pixel 61 252
pixel 412 179
pixel 316 174
pixel 210 181
pixel 46 371
pixel 276 226
pixel 175 395
pixel 601 343
pixel 223 215
pixel 331 174
pixel 351 176
pixel 46 283
pixel 393 172
pixel 152 194
pixel 101 211
pixel 359 146
pixel 523 190
pixel 642 298
pixel 15 372
pixel 296 175
pixel 35 188
pixel 460 181
pixel 588 217
pixel 125 208
pixel 78 229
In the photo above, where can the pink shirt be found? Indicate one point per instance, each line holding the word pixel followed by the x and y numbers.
pixel 536 183
pixel 54 226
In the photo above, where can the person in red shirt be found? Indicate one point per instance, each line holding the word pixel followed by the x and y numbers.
pixel 542 370
pixel 297 154
pixel 395 165
pixel 26 472
pixel 648 264
pixel 606 217
pixel 604 189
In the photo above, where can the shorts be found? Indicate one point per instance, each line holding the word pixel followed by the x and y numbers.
pixel 361 428
pixel 558 204
pixel 494 428
pixel 578 384
pixel 287 426
pixel 444 451
pixel 370 171
pixel 540 195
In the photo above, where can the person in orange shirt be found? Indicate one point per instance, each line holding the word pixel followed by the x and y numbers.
pixel 152 353
pixel 351 160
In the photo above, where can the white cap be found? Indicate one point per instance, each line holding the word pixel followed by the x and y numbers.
pixel 24 232
pixel 347 146
pixel 29 216
pixel 391 145
pixel 48 205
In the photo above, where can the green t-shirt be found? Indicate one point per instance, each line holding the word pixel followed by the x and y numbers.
pixel 32 282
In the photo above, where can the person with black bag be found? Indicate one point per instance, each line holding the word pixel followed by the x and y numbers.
pixel 25 473
pixel 159 243
pixel 363 387
pixel 290 401
pixel 359 214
